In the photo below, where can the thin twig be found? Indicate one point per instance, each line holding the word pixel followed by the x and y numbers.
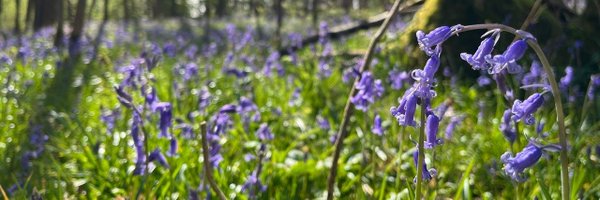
pixel 207 167
pixel 349 108
pixel 3 193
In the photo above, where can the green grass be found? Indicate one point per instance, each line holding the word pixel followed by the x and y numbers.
pixel 81 160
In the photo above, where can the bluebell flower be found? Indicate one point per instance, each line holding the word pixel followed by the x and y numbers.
pixel 398 79
pixel 483 81
pixel 377 128
pixel 405 112
pixel 4 59
pixel 124 98
pixel 273 62
pixel 535 73
pixel 454 121
pixel 157 156
pixel 425 78
pixel 190 70
pixel 428 174
pixel 323 123
pixel 109 117
pixel 191 52
pixel 264 133
pixel 513 53
pixel 434 38
pixel 173 147
pixel 525 109
pixel 368 89
pixel 507 130
pixel 204 97
pixel 138 143
pixel 594 83
pixel 477 59
pixel 228 108
pixel 253 182
pixel 169 49
pixel 566 80
pixel 166 115
pixel 295 98
pixel 514 166
pixel 351 73
pixel 187 130
pixel 431 129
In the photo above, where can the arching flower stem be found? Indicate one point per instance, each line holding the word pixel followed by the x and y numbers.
pixel 555 93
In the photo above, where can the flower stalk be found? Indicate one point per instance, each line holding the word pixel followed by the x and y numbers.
pixel 565 187
pixel 421 153
pixel 207 166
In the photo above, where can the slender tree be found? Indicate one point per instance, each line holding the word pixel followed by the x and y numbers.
pixel 315 13
pixel 91 10
pixel 29 14
pixel 1 8
pixel 18 17
pixel 77 32
pixel 45 13
pixel 58 38
pixel 278 7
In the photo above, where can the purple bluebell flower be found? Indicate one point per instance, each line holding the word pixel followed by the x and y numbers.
pixel 138 143
pixel 253 182
pixel 477 59
pixel 351 73
pixel 368 89
pixel 398 79
pixel 514 166
pixel 454 121
pixel 594 83
pixel 124 98
pixel 405 112
pixel 169 49
pixel 323 123
pixel 204 97
pixel 228 108
pixel 273 62
pixel 4 59
pixel 157 156
pixel 295 99
pixel 189 71
pixel 428 174
pixel 535 73
pixel 109 117
pixel 431 129
pixel 377 128
pixel 191 51
pixel 187 130
pixel 507 130
pixel 264 133
pixel 425 78
pixel 513 53
pixel 434 38
pixel 483 81
pixel 566 80
pixel 525 109
pixel 173 147
pixel 165 117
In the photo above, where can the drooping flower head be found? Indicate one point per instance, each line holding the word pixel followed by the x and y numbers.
pixel 431 129
pixel 398 79
pixel 368 89
pixel 566 80
pixel 377 127
pixel 405 112
pixel 454 121
pixel 514 166
pixel 508 59
pixel 505 127
pixel 157 156
pixel 525 109
pixel 429 41
pixel 477 59
pixel 264 133
pixel 427 174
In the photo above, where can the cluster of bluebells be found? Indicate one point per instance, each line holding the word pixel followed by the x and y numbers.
pixel 482 59
pixel 37 140
pixel 368 89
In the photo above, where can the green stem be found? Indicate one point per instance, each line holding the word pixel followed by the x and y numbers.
pixel 421 153
pixel 560 118
pixel 207 166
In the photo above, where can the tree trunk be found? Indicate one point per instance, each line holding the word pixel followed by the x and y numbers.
pixel 1 8
pixel 18 17
pixel 100 31
pixel 315 14
pixel 221 8
pixel 78 22
pixel 28 14
pixel 279 11
pixel 45 13
pixel 347 4
pixel 58 38
pixel 126 11
pixel 207 20
pixel 89 13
